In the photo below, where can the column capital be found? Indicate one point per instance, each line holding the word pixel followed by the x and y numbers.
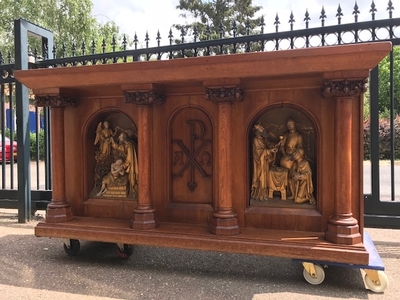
pixel 55 101
pixel 344 88
pixel 224 94
pixel 144 97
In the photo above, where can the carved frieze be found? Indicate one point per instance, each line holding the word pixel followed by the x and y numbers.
pixel 143 97
pixel 55 101
pixel 224 94
pixel 344 88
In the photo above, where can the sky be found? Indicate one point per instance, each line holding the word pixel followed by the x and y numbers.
pixel 141 16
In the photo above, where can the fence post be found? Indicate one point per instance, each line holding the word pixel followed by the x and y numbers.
pixel 22 29
pixel 22 114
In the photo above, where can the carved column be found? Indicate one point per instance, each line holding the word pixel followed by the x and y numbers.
pixel 144 215
pixel 343 228
pixel 58 210
pixel 224 220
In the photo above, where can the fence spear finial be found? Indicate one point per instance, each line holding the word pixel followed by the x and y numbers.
pixel 373 10
pixel 307 18
pixel 356 11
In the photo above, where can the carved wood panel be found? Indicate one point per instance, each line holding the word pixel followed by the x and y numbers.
pixel 191 157
pixel 277 143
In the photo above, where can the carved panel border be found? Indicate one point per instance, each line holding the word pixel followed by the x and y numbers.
pixel 143 97
pixel 344 88
pixel 55 101
pixel 224 94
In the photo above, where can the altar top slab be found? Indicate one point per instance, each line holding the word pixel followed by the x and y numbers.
pixel 342 61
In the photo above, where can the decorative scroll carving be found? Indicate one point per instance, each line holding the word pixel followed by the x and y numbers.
pixel 344 88
pixel 224 94
pixel 55 101
pixel 195 156
pixel 144 97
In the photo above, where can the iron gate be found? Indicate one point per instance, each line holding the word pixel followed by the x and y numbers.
pixel 382 200
pixel 17 169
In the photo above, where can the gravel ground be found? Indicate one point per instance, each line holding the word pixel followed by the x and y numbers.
pixel 38 268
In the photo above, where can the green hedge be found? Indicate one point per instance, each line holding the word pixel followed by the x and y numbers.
pixel 384 138
pixel 33 149
pixel 32 138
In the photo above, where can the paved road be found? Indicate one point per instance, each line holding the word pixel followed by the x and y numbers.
pixel 11 179
pixel 38 268
pixel 384 179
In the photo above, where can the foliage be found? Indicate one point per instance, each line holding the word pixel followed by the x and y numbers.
pixel 7 133
pixel 384 80
pixel 214 13
pixel 69 20
pixel 33 148
pixel 384 87
pixel 367 106
pixel 384 138
pixel 32 138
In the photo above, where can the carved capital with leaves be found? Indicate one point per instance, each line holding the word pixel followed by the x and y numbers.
pixel 55 101
pixel 224 94
pixel 344 88
pixel 144 97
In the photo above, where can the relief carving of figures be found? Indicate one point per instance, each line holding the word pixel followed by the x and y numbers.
pixel 126 149
pixel 104 135
pixel 263 157
pixel 280 164
pixel 116 169
pixel 291 141
pixel 300 179
pixel 115 178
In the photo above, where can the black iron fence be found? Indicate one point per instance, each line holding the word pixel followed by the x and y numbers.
pixel 380 211
pixel 17 169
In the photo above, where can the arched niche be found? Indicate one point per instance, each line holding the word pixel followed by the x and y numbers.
pixel 98 160
pixel 282 154
pixel 191 166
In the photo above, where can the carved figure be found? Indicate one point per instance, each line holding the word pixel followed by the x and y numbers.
pixel 262 159
pixel 126 149
pixel 278 145
pixel 104 135
pixel 277 181
pixel 290 142
pixel 300 179
pixel 117 170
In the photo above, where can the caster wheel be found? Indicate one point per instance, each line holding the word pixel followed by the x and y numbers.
pixel 377 287
pixel 316 278
pixel 126 252
pixel 73 247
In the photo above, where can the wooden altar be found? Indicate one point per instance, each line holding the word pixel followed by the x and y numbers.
pixel 191 123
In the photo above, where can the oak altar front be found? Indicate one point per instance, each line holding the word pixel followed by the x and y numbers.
pixel 256 153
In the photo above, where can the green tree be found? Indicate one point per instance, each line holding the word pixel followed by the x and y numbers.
pixel 214 13
pixel 384 83
pixel 70 21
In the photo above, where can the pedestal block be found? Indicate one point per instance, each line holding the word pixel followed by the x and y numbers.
pixel 220 226
pixel 144 220
pixel 56 213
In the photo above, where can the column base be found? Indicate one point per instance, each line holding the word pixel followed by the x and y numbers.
pixel 144 220
pixel 343 231
pixel 224 226
pixel 58 213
